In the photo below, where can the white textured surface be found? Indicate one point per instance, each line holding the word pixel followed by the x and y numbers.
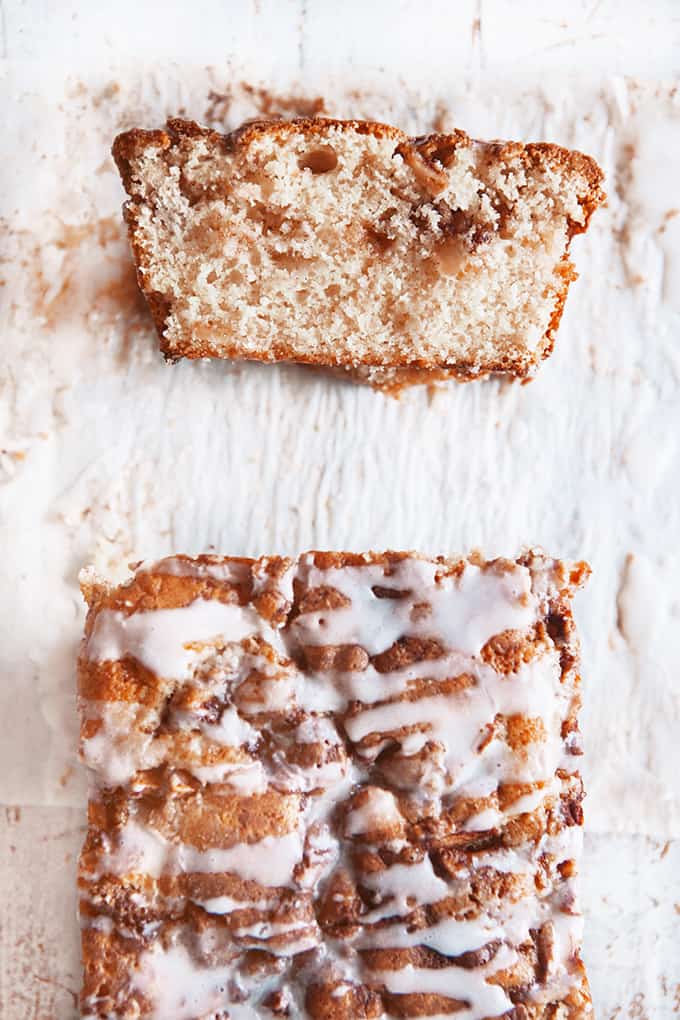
pixel 107 454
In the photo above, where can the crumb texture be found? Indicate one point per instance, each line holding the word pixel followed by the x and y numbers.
pixel 336 787
pixel 347 243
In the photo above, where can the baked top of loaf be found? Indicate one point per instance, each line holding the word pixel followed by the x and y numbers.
pixel 337 787
pixel 347 243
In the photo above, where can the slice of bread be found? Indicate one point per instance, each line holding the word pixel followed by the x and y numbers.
pixel 347 243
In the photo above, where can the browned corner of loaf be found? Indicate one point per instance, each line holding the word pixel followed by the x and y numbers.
pixel 160 307
pixel 128 146
pixel 93 589
pixel 574 161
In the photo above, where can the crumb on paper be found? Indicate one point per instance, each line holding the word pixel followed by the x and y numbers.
pixel 84 276
pixel 266 104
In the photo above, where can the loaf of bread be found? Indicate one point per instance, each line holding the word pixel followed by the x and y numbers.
pixel 336 787
pixel 347 243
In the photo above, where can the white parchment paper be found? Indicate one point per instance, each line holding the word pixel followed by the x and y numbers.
pixel 107 455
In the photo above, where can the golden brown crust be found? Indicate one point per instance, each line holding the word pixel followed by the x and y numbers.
pixel 393 381
pixel 427 156
pixel 130 145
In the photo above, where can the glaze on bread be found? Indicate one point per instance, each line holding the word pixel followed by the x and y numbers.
pixel 335 787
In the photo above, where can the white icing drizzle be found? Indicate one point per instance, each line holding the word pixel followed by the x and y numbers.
pixel 370 686
pixel 161 638
pixel 139 849
pixel 125 744
pixel 530 801
pixel 231 730
pixel 564 845
pixel 379 811
pixel 466 610
pixel 329 773
pixel 243 1011
pixel 228 905
pixel 509 862
pixel 262 580
pixel 263 930
pixel 315 730
pixel 509 920
pixel 489 818
pixel 303 780
pixel 404 886
pixel 568 935
pixel 458 721
pixel 246 779
pixel 120 747
pixel 279 695
pixel 269 861
pixel 177 987
pixel 485 1000
pixel 523 860
pixel 450 936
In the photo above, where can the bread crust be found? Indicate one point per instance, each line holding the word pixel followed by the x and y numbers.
pixel 426 152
